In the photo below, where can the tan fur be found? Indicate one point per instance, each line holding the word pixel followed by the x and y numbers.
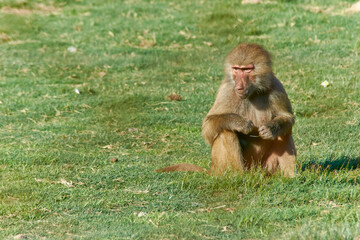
pixel 252 126
pixel 226 154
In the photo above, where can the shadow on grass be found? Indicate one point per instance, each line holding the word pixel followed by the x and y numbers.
pixel 341 163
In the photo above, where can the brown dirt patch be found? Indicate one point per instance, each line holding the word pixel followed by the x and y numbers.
pixel 354 8
pixel 39 9
pixel 4 37
pixel 251 1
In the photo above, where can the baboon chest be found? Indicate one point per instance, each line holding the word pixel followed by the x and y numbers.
pixel 258 117
pixel 258 111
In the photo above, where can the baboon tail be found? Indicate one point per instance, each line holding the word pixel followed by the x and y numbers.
pixel 182 167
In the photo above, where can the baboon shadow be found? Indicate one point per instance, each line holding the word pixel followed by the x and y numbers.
pixel 341 163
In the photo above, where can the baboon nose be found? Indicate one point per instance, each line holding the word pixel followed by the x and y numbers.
pixel 239 89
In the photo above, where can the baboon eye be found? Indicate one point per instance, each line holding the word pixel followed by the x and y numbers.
pixel 246 69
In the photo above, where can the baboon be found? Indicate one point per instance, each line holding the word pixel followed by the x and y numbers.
pixel 250 122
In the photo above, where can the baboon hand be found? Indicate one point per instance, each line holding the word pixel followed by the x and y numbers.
pixel 266 132
pixel 246 127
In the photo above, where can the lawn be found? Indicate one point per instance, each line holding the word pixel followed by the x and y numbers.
pixel 86 118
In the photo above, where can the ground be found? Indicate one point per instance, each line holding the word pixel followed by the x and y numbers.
pixel 96 95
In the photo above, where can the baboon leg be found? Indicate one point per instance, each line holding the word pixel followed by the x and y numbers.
pixel 226 154
pixel 283 157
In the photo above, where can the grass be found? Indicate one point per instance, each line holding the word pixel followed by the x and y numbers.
pixel 57 181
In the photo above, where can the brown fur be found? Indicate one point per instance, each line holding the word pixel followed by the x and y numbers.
pixel 251 120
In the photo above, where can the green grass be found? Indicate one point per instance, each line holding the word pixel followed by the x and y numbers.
pixel 57 181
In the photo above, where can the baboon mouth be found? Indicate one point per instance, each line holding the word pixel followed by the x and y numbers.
pixel 241 94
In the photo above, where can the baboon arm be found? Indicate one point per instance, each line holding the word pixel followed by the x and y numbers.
pixel 213 125
pixel 283 124
pixel 283 121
